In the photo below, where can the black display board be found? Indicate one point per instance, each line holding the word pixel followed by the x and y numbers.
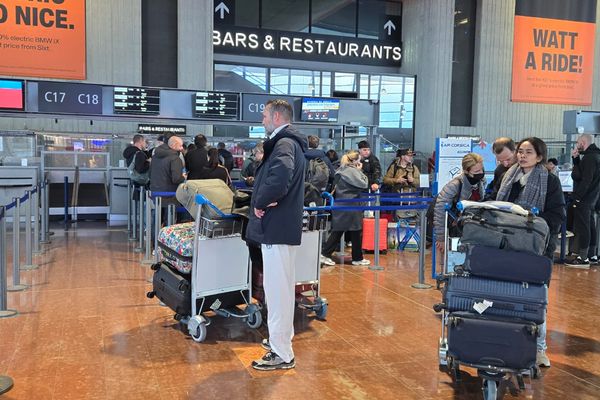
pixel 217 105
pixel 139 101
pixel 69 98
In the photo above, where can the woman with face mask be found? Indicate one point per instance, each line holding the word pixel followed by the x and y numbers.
pixel 469 185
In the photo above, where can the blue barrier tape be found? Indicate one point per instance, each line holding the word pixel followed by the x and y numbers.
pixel 387 199
pixel 391 194
pixel 162 194
pixel 201 200
pixel 367 208
pixel 10 205
pixel 24 198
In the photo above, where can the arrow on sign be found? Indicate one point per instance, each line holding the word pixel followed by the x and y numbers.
pixel 222 9
pixel 389 26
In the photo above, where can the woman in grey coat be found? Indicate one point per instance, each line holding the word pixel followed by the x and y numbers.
pixel 349 182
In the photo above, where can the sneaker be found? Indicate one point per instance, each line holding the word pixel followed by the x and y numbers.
pixel 364 261
pixel 326 260
pixel 578 263
pixel 271 362
pixel 542 359
pixel 265 344
pixel 594 260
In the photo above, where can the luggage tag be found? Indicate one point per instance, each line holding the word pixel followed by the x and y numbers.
pixel 484 305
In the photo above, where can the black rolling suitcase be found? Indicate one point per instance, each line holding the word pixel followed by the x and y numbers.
pixel 480 340
pixel 504 299
pixel 506 265
pixel 172 288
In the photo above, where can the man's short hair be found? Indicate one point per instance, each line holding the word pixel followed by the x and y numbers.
pixel 363 144
pixel 282 107
pixel 503 142
pixel 313 141
pixel 200 140
pixel 137 138
pixel 553 161
pixel 220 145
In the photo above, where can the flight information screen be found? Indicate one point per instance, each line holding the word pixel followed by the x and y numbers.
pixel 216 105
pixel 139 101
pixel 11 95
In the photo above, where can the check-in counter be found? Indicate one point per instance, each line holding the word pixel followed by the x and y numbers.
pixel 118 194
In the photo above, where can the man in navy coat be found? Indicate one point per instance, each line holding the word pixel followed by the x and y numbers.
pixel 276 223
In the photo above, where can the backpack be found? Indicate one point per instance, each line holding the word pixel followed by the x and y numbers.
pixel 317 173
pixel 141 179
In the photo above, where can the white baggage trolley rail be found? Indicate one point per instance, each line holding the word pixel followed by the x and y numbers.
pixel 220 274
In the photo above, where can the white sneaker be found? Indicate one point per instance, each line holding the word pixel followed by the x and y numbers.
pixel 542 359
pixel 326 260
pixel 364 261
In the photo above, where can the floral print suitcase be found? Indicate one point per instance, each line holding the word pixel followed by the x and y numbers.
pixel 176 244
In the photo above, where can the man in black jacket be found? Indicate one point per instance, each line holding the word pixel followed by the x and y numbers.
pixel 136 153
pixel 586 182
pixel 197 159
pixel 371 166
pixel 276 223
pixel 506 157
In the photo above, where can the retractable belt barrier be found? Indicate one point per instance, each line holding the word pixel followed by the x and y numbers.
pixel 30 200
pixel 421 205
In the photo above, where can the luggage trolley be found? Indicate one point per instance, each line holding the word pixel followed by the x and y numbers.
pixel 219 278
pixel 308 266
pixel 490 369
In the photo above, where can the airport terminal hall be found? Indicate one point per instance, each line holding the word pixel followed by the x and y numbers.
pixel 299 199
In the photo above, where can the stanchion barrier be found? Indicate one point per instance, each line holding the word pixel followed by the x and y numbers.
pixel 148 245
pixel 44 198
pixel 375 266
pixel 36 220
pixel 66 200
pixel 140 219
pixel 170 214
pixel 129 206
pixel 420 208
pixel 29 265
pixel 17 286
pixel 4 311
pixel 423 224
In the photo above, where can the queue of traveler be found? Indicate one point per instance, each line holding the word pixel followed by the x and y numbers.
pixel 524 175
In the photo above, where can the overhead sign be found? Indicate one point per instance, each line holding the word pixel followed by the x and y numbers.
pixel 297 45
pixel 11 95
pixel 225 11
pixel 154 128
pixel 43 39
pixel 553 56
pixel 391 26
pixel 216 105
pixel 254 104
pixel 70 98
pixel 130 100
pixel 454 147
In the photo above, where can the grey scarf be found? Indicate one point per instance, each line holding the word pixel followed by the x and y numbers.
pixel 534 192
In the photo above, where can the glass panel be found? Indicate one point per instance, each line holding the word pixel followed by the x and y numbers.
pixel 295 82
pixel 364 86
pixel 334 17
pixel 326 84
pixel 345 81
pixel 240 78
pixel 285 15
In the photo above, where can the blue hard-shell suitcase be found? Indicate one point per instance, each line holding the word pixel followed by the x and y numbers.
pixel 492 341
pixel 505 299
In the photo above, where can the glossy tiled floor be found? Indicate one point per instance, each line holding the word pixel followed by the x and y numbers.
pixel 86 330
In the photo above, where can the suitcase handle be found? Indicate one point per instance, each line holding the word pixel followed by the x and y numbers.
pixel 497 362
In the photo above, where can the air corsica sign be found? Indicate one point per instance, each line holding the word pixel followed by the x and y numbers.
pixel 313 47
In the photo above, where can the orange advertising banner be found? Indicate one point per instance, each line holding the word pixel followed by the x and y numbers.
pixel 43 38
pixel 553 61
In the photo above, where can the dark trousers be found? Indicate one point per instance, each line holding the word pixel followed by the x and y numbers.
pixel 333 243
pixel 583 219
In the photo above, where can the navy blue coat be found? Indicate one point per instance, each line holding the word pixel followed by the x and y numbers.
pixel 279 178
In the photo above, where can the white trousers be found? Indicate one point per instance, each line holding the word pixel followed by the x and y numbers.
pixel 279 281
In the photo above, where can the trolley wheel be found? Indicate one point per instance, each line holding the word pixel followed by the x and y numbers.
pixel 197 328
pixel 322 307
pixel 150 295
pixel 254 320
pixel 535 372
pixel 490 389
